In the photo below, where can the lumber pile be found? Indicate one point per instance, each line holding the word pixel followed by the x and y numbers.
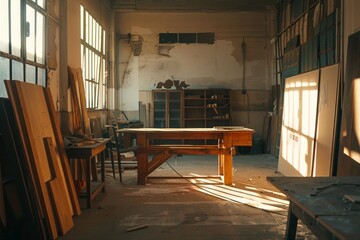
pixel 42 180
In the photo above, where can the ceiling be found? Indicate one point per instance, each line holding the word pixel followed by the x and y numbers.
pixel 191 5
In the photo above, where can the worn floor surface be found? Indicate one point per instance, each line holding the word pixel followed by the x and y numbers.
pixel 197 207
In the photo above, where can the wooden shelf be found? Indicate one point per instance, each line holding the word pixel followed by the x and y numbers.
pixel 195 108
pixel 209 108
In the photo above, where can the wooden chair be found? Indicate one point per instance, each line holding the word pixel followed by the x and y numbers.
pixel 117 141
pixel 120 148
pixel 96 132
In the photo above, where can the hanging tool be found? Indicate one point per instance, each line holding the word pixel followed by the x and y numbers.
pixel 244 91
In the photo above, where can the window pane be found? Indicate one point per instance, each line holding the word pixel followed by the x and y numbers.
pixel 96 96
pixel 41 3
pixel 4 26
pixel 104 38
pixel 96 27
pixel 104 81
pixel 87 57
pixel 187 38
pixel 15 27
pixel 93 66
pixel 99 38
pixel 30 74
pixel 96 68
pixel 206 38
pixel 86 26
pixel 17 71
pixel 82 56
pixel 90 30
pixel 82 22
pixel 168 38
pixel 40 38
pixel 4 75
pixel 42 77
pixel 30 37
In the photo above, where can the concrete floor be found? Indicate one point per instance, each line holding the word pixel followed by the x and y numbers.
pixel 198 207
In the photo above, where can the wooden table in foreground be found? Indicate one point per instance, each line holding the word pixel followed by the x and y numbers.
pixel 326 205
pixel 227 137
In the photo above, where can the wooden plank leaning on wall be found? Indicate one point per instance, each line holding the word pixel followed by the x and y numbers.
pixel 81 122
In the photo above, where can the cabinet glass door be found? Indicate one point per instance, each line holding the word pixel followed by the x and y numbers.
pixel 175 109
pixel 159 109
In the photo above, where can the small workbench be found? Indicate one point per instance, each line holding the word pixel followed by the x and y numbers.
pixel 88 152
pixel 323 204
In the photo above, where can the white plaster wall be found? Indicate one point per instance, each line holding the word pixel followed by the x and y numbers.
pixel 129 96
pixel 199 65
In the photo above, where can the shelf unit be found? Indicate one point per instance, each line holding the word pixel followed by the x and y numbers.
pixel 206 108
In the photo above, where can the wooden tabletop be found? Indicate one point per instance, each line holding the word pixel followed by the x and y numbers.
pixel 214 129
pixel 87 150
pixel 326 200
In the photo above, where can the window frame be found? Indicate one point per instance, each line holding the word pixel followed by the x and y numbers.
pixel 94 60
pixel 16 65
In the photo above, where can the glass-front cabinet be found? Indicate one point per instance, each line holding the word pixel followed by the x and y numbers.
pixel 175 109
pixel 160 113
pixel 167 110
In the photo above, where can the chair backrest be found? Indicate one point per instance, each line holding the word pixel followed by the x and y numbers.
pixel 116 135
pixel 120 116
pixel 95 127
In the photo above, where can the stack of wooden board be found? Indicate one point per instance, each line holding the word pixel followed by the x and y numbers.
pixel 18 220
pixel 45 159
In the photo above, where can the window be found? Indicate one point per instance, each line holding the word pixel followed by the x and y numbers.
pixel 168 38
pixel 93 60
pixel 187 37
pixel 22 42
pixel 206 37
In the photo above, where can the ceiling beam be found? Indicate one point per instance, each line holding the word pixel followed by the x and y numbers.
pixel 191 5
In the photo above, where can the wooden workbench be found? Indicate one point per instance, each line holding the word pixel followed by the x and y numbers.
pixel 322 204
pixel 227 137
pixel 88 152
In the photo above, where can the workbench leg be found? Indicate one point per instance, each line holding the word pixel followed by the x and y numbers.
pixel 93 168
pixel 142 159
pixel 291 224
pixel 228 178
pixel 220 159
pixel 228 171
pixel 88 182
pixel 102 166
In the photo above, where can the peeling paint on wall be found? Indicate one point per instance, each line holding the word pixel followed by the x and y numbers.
pixel 164 50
